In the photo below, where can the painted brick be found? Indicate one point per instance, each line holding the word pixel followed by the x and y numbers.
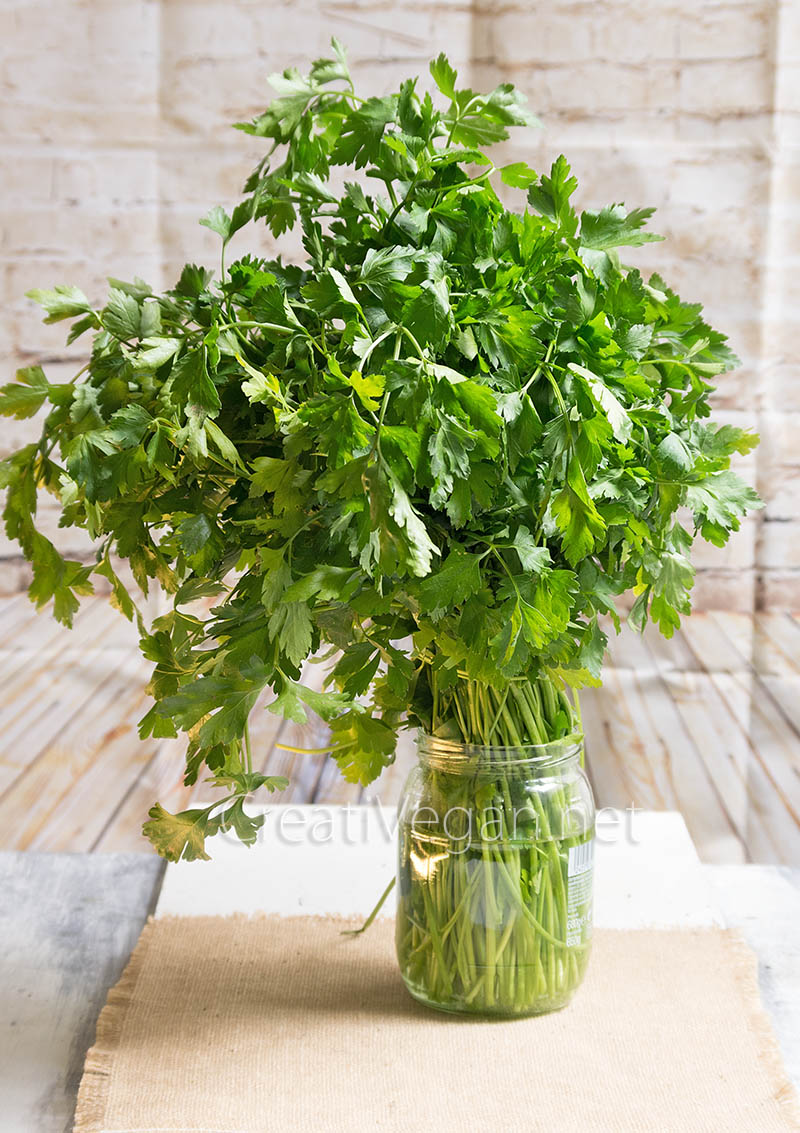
pixel 199 175
pixel 724 590
pixel 28 177
pixel 606 87
pixel 634 33
pixel 739 553
pixel 780 544
pixel 720 88
pixel 721 34
pixel 557 37
pixel 50 232
pixel 782 489
pixel 107 177
pixel 780 589
pixel 780 432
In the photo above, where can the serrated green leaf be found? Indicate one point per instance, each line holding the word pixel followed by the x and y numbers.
pixel 607 402
pixel 444 75
pixel 576 516
pixel 384 266
pixel 291 626
pixel 420 547
pixel 723 499
pixel 673 452
pixel 218 221
pixel 613 227
pixel 532 557
pixel 63 302
pixel 191 383
pixel 26 396
pixel 518 175
pixel 551 197
pixel 428 314
pixel 439 436
pixel 456 580
pixel 226 701
pixel 128 426
pixel 122 316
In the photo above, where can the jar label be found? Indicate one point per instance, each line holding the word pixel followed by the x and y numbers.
pixel 580 873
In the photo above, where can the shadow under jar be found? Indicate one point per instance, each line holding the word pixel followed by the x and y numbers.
pixel 495 876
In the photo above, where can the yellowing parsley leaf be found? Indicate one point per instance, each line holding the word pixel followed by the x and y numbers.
pixel 362 745
pixel 180 836
pixel 369 388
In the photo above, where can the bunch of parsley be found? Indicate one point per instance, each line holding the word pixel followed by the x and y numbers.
pixel 441 446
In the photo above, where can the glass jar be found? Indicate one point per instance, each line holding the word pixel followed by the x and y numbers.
pixel 495 872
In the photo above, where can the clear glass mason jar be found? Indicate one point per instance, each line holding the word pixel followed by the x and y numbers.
pixel 495 872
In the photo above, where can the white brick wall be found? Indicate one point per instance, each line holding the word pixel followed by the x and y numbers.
pixel 114 139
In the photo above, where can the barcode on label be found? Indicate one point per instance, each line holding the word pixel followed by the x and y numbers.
pixel 581 858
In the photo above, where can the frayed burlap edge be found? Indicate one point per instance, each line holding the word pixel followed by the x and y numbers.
pixel 745 966
pixel 95 1082
pixel 92 1103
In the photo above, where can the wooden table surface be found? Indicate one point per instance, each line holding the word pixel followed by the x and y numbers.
pixel 707 723
pixel 69 922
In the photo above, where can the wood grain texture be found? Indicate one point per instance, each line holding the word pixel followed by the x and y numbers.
pixel 707 723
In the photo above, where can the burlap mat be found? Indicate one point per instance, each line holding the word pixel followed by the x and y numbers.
pixel 230 1025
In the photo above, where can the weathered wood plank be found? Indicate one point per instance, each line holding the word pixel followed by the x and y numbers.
pixel 715 651
pixel 31 654
pixel 25 623
pixel 161 780
pixel 19 618
pixel 32 800
pixel 670 653
pixel 615 751
pixel 9 605
pixel 627 649
pixel 785 692
pixel 681 776
pixel 772 739
pixel 605 758
pixel 35 681
pixel 115 763
pixel 774 640
pixel 753 807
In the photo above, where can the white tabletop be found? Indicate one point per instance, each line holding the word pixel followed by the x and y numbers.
pixel 339 859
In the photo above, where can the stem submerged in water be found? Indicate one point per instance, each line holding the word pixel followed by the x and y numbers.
pixel 484 920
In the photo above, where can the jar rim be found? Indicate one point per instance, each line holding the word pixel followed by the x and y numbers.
pixel 456 753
